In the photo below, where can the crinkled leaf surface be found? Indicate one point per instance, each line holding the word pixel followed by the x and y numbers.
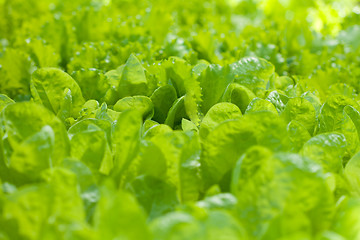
pixel 227 142
pixel 258 104
pixel 326 149
pixel 141 104
pixel 238 94
pixel 278 185
pixel 125 139
pixel 48 85
pixel 252 72
pixel 22 121
pixel 213 82
pixel 301 110
pixel 216 115
pixel 133 80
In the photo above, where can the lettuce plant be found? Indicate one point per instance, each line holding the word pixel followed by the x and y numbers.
pixel 179 119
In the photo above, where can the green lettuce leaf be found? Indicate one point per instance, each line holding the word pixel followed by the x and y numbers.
pixel 300 110
pixel 179 225
pixel 216 115
pixel 23 123
pixel 47 88
pixel 252 72
pixel 93 83
pixel 141 104
pixel 133 80
pixel 326 149
pixel 118 215
pixel 260 179
pixel 213 82
pixel 238 94
pixel 92 148
pixel 227 142
pixel 125 141
pixel 161 107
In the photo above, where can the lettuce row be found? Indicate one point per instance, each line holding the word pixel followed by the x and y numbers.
pixel 197 127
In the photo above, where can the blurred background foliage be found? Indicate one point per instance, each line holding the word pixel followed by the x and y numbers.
pixel 316 42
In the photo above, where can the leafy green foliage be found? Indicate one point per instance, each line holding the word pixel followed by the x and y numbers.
pixel 281 185
pixel 141 104
pixel 146 119
pixel 47 88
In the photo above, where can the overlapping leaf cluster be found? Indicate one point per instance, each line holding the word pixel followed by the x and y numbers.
pixel 179 120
